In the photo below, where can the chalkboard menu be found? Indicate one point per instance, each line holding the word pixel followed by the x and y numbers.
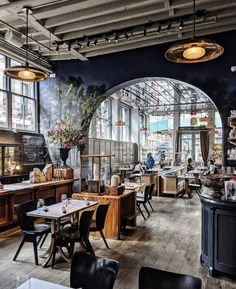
pixel 33 149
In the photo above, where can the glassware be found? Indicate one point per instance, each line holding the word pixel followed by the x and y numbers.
pixel 63 198
pixel 85 198
pixel 40 204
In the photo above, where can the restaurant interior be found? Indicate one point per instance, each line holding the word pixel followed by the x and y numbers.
pixel 117 144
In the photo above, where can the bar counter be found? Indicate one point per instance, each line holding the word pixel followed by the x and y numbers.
pixel 218 251
pixel 22 192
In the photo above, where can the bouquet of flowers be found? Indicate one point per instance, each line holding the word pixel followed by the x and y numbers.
pixel 67 135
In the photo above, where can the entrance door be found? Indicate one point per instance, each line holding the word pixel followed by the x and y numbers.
pixel 190 147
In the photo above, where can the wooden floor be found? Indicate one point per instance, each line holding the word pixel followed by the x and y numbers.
pixel 169 240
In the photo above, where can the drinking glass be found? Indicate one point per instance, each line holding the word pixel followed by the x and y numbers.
pixel 63 198
pixel 86 198
pixel 40 204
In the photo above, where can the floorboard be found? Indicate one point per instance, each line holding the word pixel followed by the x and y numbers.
pixel 169 240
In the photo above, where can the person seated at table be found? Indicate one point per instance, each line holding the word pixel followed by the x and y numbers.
pixel 150 161
pixel 212 167
pixel 138 168
pixel 189 166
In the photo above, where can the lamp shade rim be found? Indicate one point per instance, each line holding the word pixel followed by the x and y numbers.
pixel 13 72
pixel 212 50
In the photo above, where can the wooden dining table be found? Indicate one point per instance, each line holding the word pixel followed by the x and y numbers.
pixel 34 283
pixel 55 214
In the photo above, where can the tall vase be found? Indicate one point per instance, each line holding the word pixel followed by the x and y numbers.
pixel 64 153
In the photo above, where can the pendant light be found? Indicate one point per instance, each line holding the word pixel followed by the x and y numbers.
pixel 26 72
pixel 119 123
pixel 194 51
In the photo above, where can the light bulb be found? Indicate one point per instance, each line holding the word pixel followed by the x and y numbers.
pixel 26 74
pixel 194 52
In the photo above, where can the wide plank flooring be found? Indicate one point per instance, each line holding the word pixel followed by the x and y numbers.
pixel 169 240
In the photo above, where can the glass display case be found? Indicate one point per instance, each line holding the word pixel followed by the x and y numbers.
pixel 10 159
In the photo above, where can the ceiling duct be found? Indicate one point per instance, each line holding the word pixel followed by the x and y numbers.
pixel 14 38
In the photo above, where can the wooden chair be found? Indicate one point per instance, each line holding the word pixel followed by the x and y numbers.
pixel 90 272
pixel 97 225
pixel 31 232
pixel 151 278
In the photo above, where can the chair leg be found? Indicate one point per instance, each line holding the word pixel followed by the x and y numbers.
pixel 145 207
pixel 140 211
pixel 89 246
pixel 54 255
pixel 44 237
pixel 101 232
pixel 35 244
pixel 150 205
pixel 19 249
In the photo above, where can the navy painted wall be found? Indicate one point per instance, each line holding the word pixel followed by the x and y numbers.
pixel 214 78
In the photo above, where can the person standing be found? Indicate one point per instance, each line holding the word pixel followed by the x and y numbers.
pixel 150 161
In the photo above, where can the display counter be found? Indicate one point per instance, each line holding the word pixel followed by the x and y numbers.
pixel 22 192
pixel 218 250
pixel 122 208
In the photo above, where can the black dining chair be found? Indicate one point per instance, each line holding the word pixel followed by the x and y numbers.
pixel 79 233
pixel 152 278
pixel 91 272
pixel 143 201
pixel 150 196
pixel 97 225
pixel 195 187
pixel 31 231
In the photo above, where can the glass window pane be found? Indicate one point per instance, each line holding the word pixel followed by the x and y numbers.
pixel 29 114
pixel 2 75
pixel 17 112
pixel 3 109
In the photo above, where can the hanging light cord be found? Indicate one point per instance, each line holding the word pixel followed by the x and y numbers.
pixel 27 32
pixel 194 29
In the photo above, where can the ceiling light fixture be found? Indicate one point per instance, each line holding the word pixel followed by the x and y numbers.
pixel 26 72
pixel 194 51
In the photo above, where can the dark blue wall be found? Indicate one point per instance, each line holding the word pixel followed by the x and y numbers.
pixel 214 78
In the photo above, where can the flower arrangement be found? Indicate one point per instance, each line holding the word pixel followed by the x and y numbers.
pixel 67 135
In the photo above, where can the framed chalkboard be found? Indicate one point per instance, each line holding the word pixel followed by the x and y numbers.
pixel 34 149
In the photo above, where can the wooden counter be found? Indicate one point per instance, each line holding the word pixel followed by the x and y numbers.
pixel 121 207
pixel 22 192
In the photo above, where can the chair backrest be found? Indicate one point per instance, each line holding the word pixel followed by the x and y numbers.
pixel 85 222
pixel 101 215
pixel 49 201
pixel 25 222
pixel 151 278
pixel 91 272
pixel 151 191
pixel 146 193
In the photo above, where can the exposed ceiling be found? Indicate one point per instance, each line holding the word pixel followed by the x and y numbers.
pixel 165 96
pixel 81 29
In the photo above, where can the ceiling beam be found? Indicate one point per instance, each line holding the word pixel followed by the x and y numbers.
pixel 50 35
pixel 96 11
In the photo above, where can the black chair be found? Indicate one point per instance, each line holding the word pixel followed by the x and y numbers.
pixel 143 201
pixel 29 230
pixel 68 236
pixel 150 196
pixel 195 187
pixel 63 221
pixel 90 272
pixel 98 224
pixel 151 278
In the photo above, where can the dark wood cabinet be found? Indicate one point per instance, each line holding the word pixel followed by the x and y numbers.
pixel 219 236
pixel 20 193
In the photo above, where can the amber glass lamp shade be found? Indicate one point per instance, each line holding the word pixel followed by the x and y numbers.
pixel 119 123
pixel 197 50
pixel 26 73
